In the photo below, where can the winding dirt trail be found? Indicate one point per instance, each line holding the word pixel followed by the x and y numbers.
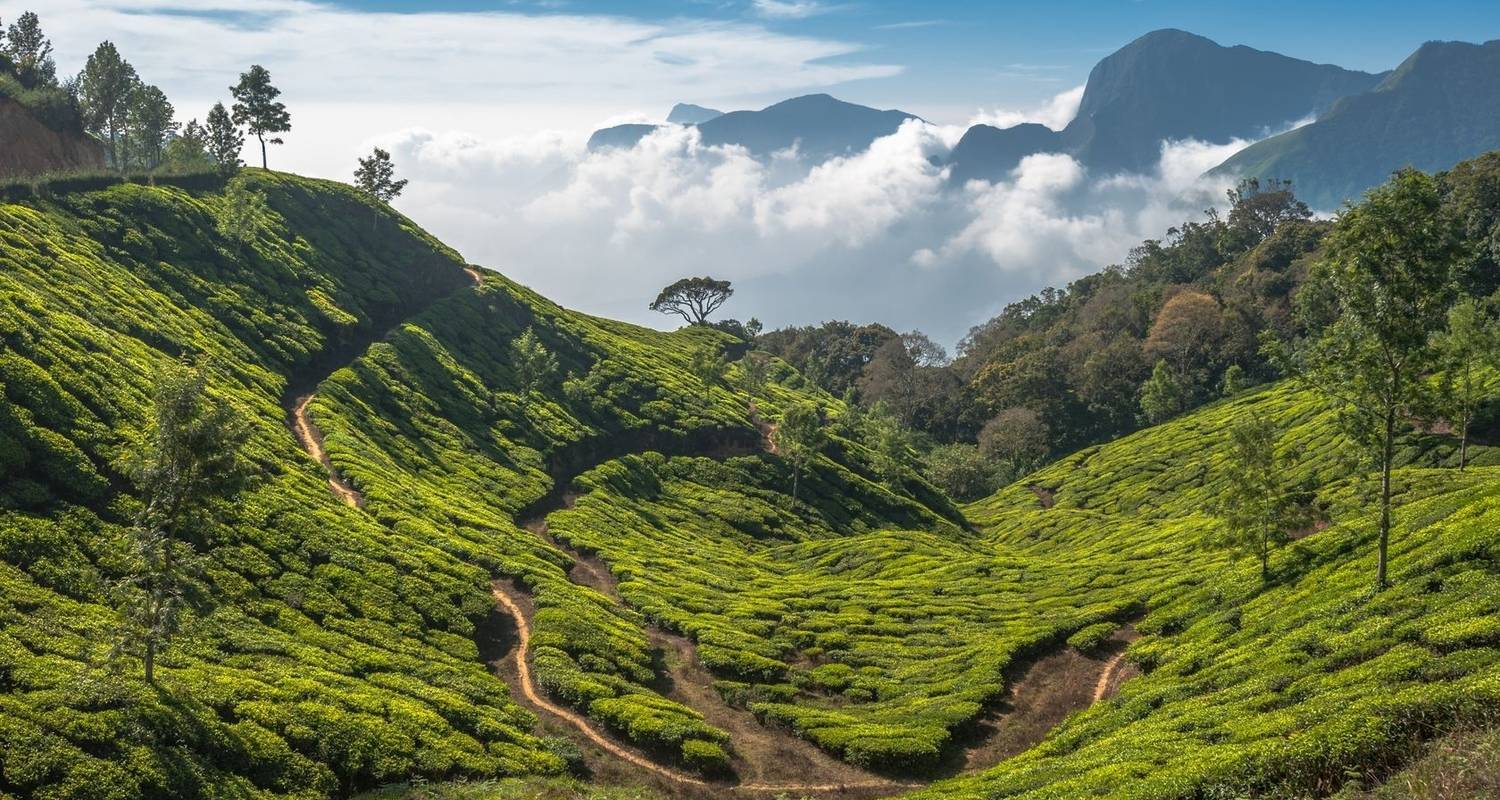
pixel 520 656
pixel 594 573
pixel 311 440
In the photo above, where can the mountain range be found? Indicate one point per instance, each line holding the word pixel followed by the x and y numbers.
pixel 1349 129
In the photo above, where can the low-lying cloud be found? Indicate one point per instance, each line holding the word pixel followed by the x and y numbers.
pixel 881 235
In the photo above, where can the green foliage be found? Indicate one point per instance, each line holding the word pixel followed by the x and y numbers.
pixel 1388 271
pixel 256 107
pixel 1259 511
pixel 1468 346
pixel 241 215
pixel 1162 396
pixel 798 437
pixel 104 89
pixel 376 177
pixel 223 140
pixel 188 459
pixel 1091 637
pixel 535 365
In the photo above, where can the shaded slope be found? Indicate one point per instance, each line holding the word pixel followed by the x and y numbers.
pixel 1437 109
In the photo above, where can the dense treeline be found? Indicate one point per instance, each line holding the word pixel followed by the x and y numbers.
pixel 1177 325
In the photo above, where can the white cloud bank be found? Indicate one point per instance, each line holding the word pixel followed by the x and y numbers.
pixel 877 236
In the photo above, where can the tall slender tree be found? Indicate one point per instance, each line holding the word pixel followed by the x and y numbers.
pixel 798 438
pixel 1387 271
pixel 223 139
pixel 256 107
pixel 189 459
pixel 104 89
pixel 1258 508
pixel 148 125
pixel 1468 345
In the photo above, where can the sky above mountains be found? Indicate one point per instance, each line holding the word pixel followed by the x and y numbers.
pixel 487 105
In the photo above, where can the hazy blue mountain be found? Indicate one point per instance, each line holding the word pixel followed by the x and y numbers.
pixel 989 153
pixel 689 114
pixel 820 125
pixel 1170 84
pixel 1440 107
pixel 619 136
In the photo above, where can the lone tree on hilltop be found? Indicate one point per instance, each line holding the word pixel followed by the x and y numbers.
pixel 693 299
pixel 189 458
pixel 256 107
pixel 376 177
pixel 223 139
pixel 1387 276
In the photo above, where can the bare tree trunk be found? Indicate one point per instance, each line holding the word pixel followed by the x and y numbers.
pixel 150 660
pixel 1463 444
pixel 262 138
pixel 1387 454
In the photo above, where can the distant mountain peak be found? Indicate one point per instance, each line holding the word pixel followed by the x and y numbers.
pixel 690 114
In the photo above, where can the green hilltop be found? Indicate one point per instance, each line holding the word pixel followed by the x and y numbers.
pixel 624 502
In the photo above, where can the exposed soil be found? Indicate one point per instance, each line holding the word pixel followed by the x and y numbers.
pixel 1045 497
pixel 311 440
pixel 766 759
pixel 30 147
pixel 1044 693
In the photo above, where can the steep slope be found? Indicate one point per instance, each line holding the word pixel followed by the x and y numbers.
pixel 339 645
pixel 1170 85
pixel 29 146
pixel 1438 108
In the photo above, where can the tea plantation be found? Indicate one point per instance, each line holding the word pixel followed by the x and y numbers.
pixel 332 649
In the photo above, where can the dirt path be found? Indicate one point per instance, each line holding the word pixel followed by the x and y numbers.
pixel 311 440
pixel 1041 697
pixel 520 658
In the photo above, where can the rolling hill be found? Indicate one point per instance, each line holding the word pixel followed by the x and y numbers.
pixel 609 571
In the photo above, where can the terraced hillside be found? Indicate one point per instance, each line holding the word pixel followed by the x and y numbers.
pixel 688 622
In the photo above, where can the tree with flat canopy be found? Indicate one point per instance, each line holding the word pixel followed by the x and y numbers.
pixel 693 299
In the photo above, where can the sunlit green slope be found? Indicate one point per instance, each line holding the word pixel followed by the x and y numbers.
pixel 1258 689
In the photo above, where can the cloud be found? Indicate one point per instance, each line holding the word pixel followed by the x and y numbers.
pixel 790 9
pixel 1055 113
pixel 348 73
pixel 915 23
pixel 874 236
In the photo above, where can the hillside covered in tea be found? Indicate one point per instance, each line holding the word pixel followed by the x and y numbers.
pixel 485 537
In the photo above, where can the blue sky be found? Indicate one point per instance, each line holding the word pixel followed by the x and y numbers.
pixel 970 54
pixel 486 108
